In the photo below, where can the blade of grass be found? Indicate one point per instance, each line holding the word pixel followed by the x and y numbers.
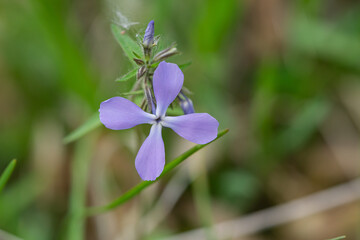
pixel 141 186
pixel 88 126
pixel 79 175
pixel 19 196
pixel 5 235
pixel 338 238
pixel 200 190
pixel 6 174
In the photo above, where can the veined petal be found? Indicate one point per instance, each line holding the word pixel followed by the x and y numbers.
pixel 150 159
pixel 167 82
pixel 199 128
pixel 119 113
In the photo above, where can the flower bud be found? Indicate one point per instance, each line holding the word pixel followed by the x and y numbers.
pixel 186 104
pixel 149 35
pixel 139 61
pixel 162 55
pixel 141 71
pixel 150 100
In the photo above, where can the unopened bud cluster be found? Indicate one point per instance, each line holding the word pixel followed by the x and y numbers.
pixel 147 65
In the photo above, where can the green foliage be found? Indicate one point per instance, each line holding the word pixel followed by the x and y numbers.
pixel 128 45
pixel 237 187
pixel 4 177
pixel 88 126
pixel 184 65
pixel 144 184
pixel 274 83
pixel 126 94
pixel 79 178
pixel 326 42
pixel 338 238
pixel 214 19
pixel 127 76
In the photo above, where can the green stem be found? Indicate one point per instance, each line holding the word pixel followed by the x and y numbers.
pixel 203 202
pixel 79 174
pixel 141 186
pixel 6 174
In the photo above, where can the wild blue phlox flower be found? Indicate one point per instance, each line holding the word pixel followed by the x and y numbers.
pixel 118 113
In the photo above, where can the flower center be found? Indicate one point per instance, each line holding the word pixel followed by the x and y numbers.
pixel 158 119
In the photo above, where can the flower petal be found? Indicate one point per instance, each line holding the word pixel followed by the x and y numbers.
pixel 119 113
pixel 199 128
pixel 167 82
pixel 150 159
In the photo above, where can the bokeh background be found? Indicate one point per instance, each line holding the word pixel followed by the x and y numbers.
pixel 283 76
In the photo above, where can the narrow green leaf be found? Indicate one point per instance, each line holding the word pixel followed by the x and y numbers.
pixel 154 65
pixel 338 238
pixel 79 176
pixel 7 173
pixel 126 42
pixel 88 126
pixel 144 184
pixel 184 65
pixel 127 76
pixel 132 93
pixel 29 187
pixel 136 55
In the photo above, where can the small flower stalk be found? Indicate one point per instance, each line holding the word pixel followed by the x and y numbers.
pixel 161 84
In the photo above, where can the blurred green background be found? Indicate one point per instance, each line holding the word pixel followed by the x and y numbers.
pixel 283 76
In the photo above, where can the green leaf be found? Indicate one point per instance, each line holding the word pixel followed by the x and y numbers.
pixel 338 238
pixel 131 93
pixel 127 76
pixel 136 55
pixel 7 173
pixel 184 65
pixel 141 186
pixel 127 43
pixel 88 126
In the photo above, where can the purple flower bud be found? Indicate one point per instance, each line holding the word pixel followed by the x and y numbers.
pixel 186 104
pixel 149 34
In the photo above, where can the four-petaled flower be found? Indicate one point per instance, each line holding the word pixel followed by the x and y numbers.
pixel 119 113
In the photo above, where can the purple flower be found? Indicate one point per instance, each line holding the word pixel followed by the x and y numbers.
pixel 149 34
pixel 119 113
